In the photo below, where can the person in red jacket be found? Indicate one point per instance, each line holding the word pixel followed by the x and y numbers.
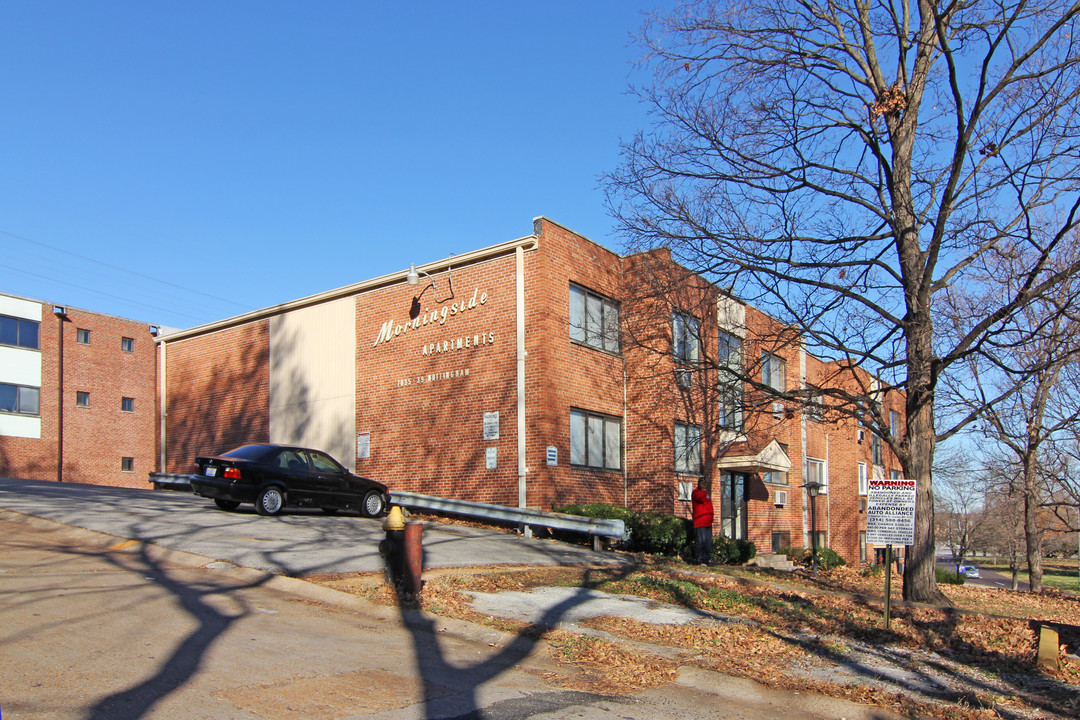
pixel 701 505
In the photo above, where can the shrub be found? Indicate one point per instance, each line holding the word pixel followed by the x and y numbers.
pixel 872 570
pixel 948 577
pixel 649 532
pixel 827 558
pixel 660 534
pixel 726 551
pixel 598 510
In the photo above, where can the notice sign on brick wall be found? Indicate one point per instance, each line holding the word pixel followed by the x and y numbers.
pixel 890 512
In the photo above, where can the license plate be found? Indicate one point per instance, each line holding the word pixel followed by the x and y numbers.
pixel 211 471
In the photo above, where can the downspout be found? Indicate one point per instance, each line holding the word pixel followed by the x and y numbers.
pixel 625 431
pixel 828 496
pixel 519 254
pixel 163 399
pixel 60 405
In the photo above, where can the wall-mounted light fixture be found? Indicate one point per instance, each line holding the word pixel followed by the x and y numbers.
pixel 413 278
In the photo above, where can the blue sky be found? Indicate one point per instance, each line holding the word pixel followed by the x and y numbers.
pixel 179 163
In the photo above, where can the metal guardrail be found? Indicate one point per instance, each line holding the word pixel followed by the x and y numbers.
pixel 596 527
pixel 170 481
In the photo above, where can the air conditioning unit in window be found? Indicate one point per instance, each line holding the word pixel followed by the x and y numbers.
pixel 862 505
pixel 780 498
pixel 684 377
pixel 862 434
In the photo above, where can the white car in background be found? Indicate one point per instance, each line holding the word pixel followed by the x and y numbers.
pixel 969 571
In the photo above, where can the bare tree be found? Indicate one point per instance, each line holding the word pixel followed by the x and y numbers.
pixel 846 165
pixel 1035 407
pixel 961 506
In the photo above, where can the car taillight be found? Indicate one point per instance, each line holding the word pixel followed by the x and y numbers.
pixel 232 473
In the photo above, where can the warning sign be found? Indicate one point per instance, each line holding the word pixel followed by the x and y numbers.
pixel 890 512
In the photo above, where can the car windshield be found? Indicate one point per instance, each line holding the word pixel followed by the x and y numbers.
pixel 248 452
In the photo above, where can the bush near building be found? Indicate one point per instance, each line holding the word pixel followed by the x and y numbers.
pixel 663 534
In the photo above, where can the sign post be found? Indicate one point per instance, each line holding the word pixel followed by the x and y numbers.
pixel 890 520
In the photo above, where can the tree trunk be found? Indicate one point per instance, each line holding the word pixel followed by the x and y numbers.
pixel 920 578
pixel 1031 528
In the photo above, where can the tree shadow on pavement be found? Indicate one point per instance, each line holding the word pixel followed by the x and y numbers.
pixel 451 689
pixel 211 624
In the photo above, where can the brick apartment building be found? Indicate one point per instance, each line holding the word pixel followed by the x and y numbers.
pixel 538 372
pixel 103 368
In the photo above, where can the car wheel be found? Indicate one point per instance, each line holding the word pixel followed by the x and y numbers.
pixel 374 503
pixel 270 501
pixel 228 505
pixel 330 510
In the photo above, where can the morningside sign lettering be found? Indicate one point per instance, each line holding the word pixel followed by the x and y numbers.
pixel 437 317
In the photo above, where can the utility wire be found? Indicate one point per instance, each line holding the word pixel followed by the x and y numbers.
pixel 155 280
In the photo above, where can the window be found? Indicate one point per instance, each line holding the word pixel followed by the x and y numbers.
pixel 82 336
pixel 127 464
pixel 895 425
pixel 687 448
pixel 729 357
pixel 82 399
pixel 127 404
pixel 730 410
pixel 862 478
pixel 19 332
pixel 594 320
pixel 686 338
pixel 20 399
pixel 815 406
pixel 820 537
pixel 773 371
pixel 323 463
pixel 291 460
pixel 875 449
pixel 896 475
pixel 127 344
pixel 780 539
pixel 862 546
pixel 595 440
pixel 686 490
pixel 730 364
pixel 774 477
pixel 815 472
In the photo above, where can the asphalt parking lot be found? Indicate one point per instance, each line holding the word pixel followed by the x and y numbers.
pixel 297 543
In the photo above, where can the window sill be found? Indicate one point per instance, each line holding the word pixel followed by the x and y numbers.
pixel 587 346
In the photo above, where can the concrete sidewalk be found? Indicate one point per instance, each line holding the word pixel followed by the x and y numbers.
pixel 103 628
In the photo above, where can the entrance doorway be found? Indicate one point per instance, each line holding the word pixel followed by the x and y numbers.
pixel 733 505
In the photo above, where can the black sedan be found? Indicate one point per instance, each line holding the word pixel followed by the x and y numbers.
pixel 274 477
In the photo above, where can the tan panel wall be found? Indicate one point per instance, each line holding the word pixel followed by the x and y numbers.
pixel 312 378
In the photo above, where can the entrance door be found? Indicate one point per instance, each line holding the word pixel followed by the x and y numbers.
pixel 733 505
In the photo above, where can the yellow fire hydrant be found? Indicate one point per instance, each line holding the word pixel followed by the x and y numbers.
pixel 392 548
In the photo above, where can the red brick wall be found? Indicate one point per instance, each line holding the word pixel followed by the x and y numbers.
pixel 218 393
pixel 98 436
pixel 562 375
pixel 424 403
